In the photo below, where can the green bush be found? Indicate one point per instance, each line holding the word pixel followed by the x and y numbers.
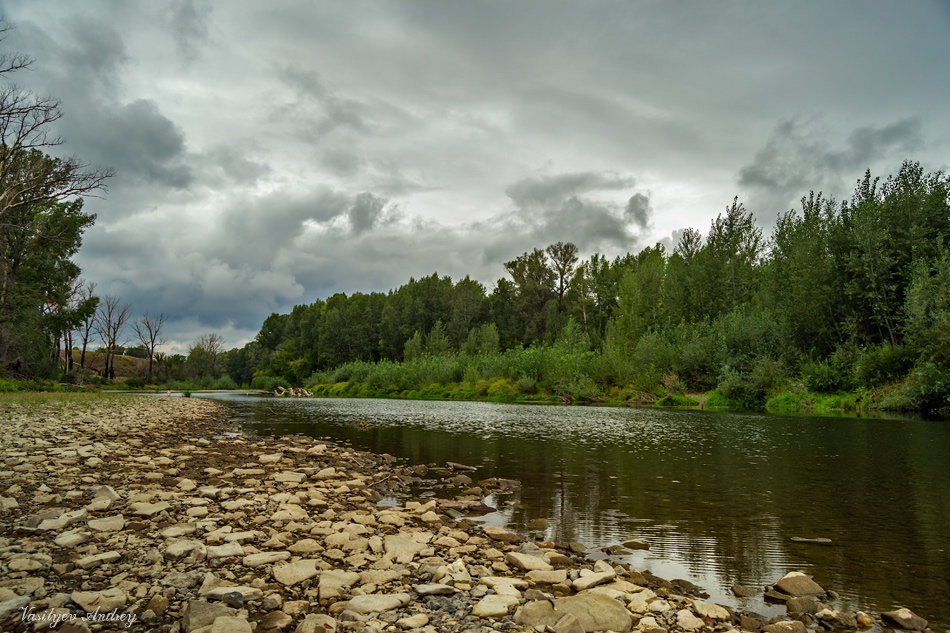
pixel 831 374
pixel 882 364
pixel 268 383
pixel 928 388
pixel 224 382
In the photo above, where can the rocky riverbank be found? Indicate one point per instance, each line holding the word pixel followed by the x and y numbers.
pixel 144 513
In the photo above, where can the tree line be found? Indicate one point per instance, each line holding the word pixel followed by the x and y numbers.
pixel 840 296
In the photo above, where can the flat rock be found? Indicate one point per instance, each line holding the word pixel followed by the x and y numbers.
pixel 687 621
pixel 108 524
pixel 199 614
pixel 526 562
pixel 105 601
pixel 90 562
pixel 317 623
pixel 225 551
pixel 378 602
pixel 434 589
pixel 494 606
pixel 795 583
pixel 230 624
pixel 787 626
pixel 185 547
pixel 106 492
pixel 402 548
pixel 182 529
pixel 553 577
pixel 592 580
pixel 144 509
pixel 711 610
pixel 594 612
pixel 290 477
pixel 501 534
pixel 334 582
pixel 247 593
pixel 13 605
pixel 264 558
pixel 292 573
pixel 905 619
pixel 275 620
pixel 413 621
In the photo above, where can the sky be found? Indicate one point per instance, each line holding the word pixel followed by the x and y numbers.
pixel 272 154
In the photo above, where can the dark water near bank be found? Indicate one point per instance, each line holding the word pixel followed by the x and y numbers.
pixel 717 496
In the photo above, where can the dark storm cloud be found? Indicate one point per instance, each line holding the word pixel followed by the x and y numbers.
pixel 139 139
pixel 798 157
pixel 134 137
pixel 365 211
pixel 638 210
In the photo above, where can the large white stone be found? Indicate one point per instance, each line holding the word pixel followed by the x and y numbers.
pixel 105 601
pixel 378 602
pixel 293 573
pixel 494 606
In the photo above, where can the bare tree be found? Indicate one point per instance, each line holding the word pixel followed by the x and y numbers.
pixel 86 328
pixel 213 345
pixel 25 119
pixel 110 321
pixel 148 329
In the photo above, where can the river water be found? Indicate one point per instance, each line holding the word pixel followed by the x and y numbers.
pixel 717 497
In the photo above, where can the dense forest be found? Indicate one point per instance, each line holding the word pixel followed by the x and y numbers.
pixel 840 298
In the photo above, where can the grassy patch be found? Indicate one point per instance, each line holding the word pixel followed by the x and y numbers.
pixel 673 400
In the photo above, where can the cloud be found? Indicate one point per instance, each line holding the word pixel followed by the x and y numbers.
pixel 138 139
pixel 189 23
pixel 365 211
pixel 638 210
pixel 797 158
pixel 579 207
pixel 553 190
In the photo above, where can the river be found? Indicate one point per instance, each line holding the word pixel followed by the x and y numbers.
pixel 717 497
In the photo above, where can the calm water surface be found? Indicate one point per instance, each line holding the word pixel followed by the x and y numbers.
pixel 717 496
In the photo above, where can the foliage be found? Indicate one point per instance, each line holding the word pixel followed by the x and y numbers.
pixel 840 297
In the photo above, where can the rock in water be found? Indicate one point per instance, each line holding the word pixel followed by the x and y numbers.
pixel 905 619
pixel 795 583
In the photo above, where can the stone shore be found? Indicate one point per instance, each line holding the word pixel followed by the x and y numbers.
pixel 146 514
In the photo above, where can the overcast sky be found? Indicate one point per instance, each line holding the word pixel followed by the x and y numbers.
pixel 272 153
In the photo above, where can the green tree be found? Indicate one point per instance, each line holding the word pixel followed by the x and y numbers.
pixel 534 287
pixel 41 222
pixel 563 258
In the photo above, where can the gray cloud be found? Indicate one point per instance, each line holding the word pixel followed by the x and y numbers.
pixel 553 190
pixel 189 22
pixel 140 140
pixel 797 158
pixel 638 210
pixel 365 212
